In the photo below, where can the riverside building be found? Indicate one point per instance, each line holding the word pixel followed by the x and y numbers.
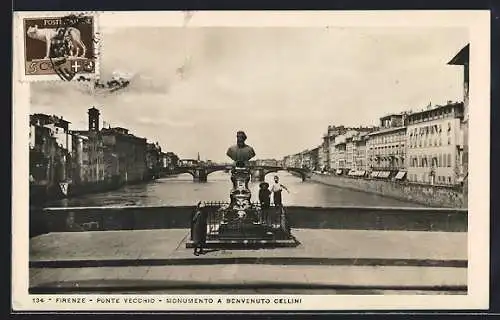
pixel 386 148
pixel 436 144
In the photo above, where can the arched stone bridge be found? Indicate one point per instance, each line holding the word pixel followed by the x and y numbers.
pixel 258 173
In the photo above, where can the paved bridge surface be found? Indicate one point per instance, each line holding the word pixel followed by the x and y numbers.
pixel 326 261
pixel 258 173
pixel 346 250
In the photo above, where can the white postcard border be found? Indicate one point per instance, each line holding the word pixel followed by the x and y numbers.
pixel 478 23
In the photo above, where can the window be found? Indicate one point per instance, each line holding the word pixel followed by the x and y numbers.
pixel 424 162
pixel 434 161
pixel 449 160
pixel 449 179
pixel 449 140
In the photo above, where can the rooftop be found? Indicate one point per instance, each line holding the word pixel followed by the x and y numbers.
pixel 390 115
pixel 49 118
pixel 386 130
pixel 121 131
pixel 437 107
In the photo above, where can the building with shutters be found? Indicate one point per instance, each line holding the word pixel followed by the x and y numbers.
pixel 348 150
pixel 435 145
pixel 386 148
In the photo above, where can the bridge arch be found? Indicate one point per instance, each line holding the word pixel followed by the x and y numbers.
pixel 185 170
pixel 217 169
pixel 258 173
pixel 200 173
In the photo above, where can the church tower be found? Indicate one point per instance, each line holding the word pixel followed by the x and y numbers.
pixel 93 119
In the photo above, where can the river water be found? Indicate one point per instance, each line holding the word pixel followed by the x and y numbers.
pixel 181 190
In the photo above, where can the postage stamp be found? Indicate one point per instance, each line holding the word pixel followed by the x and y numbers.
pixel 60 47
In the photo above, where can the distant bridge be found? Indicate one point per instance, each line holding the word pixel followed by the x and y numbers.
pixel 258 173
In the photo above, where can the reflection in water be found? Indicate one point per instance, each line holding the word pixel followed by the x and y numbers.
pixel 181 190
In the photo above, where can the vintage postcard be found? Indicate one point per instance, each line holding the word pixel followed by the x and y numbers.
pixel 251 161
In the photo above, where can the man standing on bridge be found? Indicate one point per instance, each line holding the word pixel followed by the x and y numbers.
pixel 241 153
pixel 276 189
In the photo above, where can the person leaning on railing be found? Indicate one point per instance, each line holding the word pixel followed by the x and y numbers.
pixel 264 195
pixel 276 189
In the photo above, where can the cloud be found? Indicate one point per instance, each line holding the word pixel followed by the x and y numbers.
pixel 163 122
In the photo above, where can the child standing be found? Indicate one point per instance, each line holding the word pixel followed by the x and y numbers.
pixel 264 195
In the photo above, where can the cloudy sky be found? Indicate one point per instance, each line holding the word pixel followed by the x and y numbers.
pixel 193 88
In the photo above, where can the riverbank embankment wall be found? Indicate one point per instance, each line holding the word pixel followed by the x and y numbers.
pixel 428 195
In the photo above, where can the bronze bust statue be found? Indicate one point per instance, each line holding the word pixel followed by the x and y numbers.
pixel 241 153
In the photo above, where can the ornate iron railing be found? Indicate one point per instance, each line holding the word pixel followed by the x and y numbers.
pixel 220 220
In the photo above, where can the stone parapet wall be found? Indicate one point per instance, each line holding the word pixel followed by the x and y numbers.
pixel 179 217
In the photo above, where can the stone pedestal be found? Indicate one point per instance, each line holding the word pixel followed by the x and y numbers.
pixel 240 195
pixel 241 222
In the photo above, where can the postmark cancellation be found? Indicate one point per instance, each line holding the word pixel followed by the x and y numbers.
pixel 59 47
